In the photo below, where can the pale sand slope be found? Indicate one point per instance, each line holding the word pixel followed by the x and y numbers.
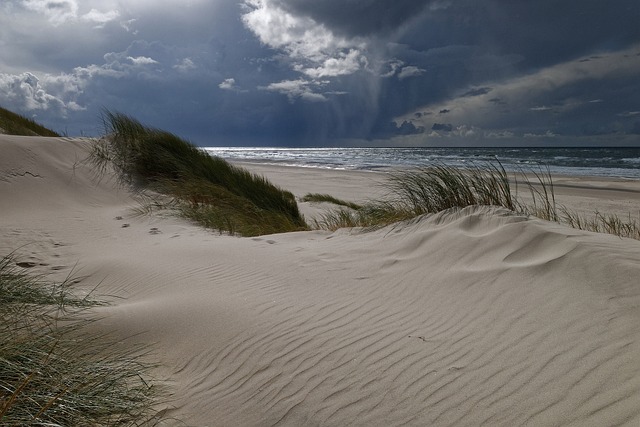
pixel 470 318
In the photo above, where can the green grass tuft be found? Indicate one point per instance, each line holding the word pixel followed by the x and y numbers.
pixel 440 187
pixel 208 189
pixel 433 189
pixel 411 193
pixel 319 198
pixel 52 373
pixel 15 124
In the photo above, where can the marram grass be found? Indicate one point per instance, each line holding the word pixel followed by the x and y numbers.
pixel 52 373
pixel 207 189
pixel 602 223
pixel 437 188
pixel 15 124
pixel 327 198
pixel 433 189
pixel 415 192
pixel 224 197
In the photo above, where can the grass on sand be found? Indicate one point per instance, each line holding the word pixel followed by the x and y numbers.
pixel 54 374
pixel 204 188
pixel 224 197
pixel 433 189
pixel 15 124
pixel 420 191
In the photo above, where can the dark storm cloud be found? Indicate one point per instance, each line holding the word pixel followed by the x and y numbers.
pixel 294 72
pixel 539 90
pixel 549 31
pixel 542 32
pixel 574 98
pixel 446 127
pixel 477 92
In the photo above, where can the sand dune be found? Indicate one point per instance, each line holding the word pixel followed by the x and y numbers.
pixel 474 317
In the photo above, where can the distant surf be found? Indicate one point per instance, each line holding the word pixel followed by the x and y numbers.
pixel 606 162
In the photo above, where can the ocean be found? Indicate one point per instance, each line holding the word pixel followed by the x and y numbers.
pixel 606 162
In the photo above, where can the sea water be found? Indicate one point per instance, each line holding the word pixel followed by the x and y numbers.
pixel 606 162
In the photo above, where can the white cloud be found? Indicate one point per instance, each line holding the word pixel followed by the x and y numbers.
pixel 228 84
pixel 344 64
pixel 313 49
pixel 25 92
pixel 628 114
pixel 397 68
pixel 98 17
pixel 540 108
pixel 465 131
pixel 142 60
pixel 113 70
pixel 59 93
pixel 312 96
pixel 300 37
pixel 128 26
pixel 394 65
pixel 185 65
pixel 58 11
pixel 296 89
pixel 61 11
pixel 500 134
pixel 410 71
pixel 547 134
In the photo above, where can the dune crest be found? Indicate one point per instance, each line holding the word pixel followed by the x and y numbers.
pixel 469 317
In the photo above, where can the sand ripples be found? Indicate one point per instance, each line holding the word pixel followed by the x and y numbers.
pixel 412 342
pixel 465 318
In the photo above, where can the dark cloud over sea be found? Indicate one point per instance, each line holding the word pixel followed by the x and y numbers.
pixel 295 72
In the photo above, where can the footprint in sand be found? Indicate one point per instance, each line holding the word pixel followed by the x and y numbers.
pixel 26 264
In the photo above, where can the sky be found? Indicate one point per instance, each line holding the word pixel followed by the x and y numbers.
pixel 331 72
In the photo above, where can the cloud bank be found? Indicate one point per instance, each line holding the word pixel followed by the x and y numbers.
pixel 294 72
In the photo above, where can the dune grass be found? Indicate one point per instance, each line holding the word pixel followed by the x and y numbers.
pixel 15 124
pixel 208 189
pixel 433 189
pixel 54 374
pixel 327 198
pixel 602 223
pixel 227 198
pixel 415 192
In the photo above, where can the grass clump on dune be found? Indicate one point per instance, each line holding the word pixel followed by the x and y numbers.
pixel 208 189
pixel 433 189
pixel 15 124
pixel 427 190
pixel 599 223
pixel 53 374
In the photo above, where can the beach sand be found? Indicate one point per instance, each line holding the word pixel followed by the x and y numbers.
pixel 467 318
